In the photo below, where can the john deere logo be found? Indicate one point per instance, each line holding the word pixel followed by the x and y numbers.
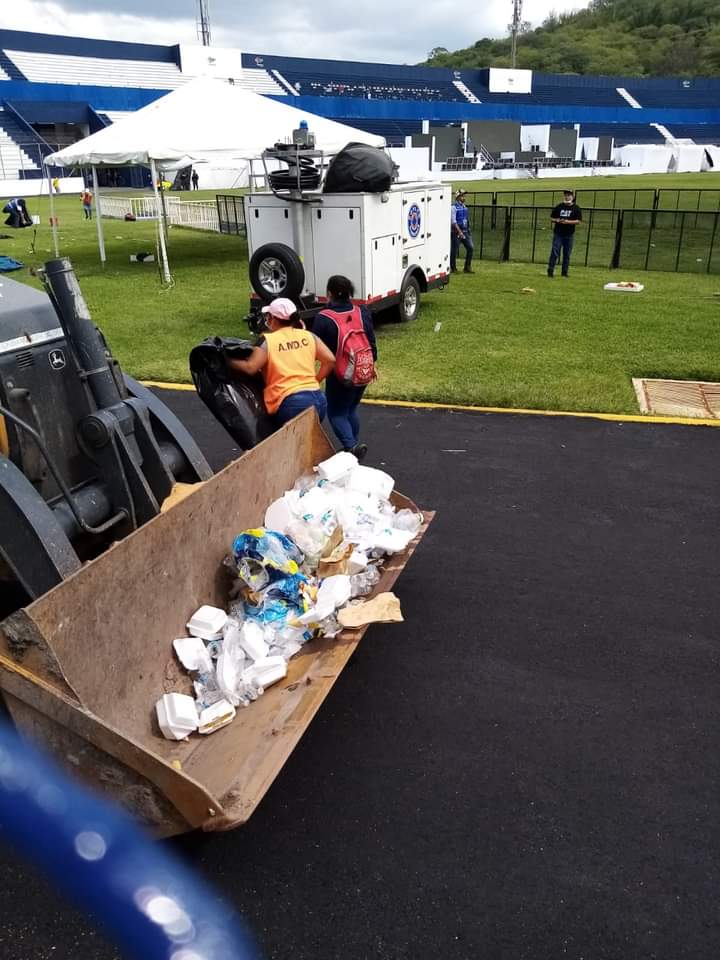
pixel 57 359
pixel 414 220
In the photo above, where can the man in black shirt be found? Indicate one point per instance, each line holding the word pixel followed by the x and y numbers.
pixel 566 216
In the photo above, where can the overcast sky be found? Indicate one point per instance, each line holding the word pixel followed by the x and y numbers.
pixel 402 31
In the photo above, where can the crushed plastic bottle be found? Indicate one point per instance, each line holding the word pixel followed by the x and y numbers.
pixel 407 520
pixel 361 584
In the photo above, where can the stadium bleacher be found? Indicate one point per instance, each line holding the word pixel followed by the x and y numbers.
pixel 96 71
pixel 394 131
pixel 309 84
pixel 677 97
pixel 623 133
pixel 699 132
pixel 42 76
pixel 380 81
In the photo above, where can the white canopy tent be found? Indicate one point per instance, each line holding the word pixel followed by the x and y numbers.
pixel 204 120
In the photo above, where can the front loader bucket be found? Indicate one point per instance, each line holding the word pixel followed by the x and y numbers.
pixel 82 667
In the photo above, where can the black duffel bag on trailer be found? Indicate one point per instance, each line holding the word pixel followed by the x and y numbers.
pixel 235 399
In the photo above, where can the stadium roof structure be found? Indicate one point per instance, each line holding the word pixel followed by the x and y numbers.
pixel 205 119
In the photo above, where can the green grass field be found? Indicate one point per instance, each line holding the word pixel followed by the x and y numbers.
pixel 569 345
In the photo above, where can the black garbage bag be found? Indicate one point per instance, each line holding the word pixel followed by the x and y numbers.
pixel 359 168
pixel 18 213
pixel 235 399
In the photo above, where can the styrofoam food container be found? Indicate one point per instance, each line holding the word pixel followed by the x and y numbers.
pixel 207 623
pixel 176 715
pixel 252 640
pixel 193 654
pixel 215 717
pixel 263 673
pixel 337 466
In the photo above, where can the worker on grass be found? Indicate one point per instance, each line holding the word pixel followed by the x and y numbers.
pixel 566 216
pixel 460 233
pixel 288 358
pixel 87 198
pixel 346 330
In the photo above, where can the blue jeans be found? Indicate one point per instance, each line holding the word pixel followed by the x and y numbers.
pixel 295 403
pixel 455 242
pixel 342 408
pixel 564 243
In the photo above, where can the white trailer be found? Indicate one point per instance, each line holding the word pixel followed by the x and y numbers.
pixel 393 245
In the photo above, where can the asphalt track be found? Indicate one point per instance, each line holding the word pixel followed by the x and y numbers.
pixel 527 768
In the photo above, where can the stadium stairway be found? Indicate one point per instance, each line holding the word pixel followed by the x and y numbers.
pixel 8 68
pixel 15 161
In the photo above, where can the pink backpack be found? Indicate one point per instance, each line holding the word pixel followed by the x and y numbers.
pixel 354 364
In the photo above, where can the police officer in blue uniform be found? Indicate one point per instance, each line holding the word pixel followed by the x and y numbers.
pixel 460 233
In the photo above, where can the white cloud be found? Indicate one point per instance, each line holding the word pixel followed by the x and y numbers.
pixel 403 32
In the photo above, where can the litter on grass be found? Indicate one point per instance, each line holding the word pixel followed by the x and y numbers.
pixel 302 575
pixel 625 286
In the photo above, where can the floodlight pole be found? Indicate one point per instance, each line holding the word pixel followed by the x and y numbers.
pixel 203 22
pixel 98 216
pixel 515 30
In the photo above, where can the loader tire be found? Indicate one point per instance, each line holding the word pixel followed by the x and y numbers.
pixel 276 271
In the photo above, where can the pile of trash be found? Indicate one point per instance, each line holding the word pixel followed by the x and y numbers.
pixel 302 575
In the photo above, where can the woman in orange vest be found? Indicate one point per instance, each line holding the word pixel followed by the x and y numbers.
pixel 288 358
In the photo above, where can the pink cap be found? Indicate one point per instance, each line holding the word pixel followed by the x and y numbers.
pixel 281 307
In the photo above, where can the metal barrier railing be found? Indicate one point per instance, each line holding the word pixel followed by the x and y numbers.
pixel 667 240
pixel 196 214
pixel 231 213
pixel 677 199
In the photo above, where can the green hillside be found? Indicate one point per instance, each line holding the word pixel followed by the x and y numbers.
pixel 638 37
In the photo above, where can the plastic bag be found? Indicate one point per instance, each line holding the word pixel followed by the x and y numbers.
pixel 407 520
pixel 275 553
pixel 235 399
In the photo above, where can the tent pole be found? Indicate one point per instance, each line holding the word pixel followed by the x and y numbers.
pixel 98 217
pixel 167 278
pixel 53 220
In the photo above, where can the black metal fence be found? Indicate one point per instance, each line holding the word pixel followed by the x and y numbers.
pixel 231 213
pixel 677 199
pixel 631 239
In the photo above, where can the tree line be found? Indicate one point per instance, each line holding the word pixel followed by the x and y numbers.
pixel 631 37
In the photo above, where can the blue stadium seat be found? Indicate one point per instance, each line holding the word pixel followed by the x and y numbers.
pixel 624 133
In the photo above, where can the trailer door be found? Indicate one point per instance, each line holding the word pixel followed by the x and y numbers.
pixel 337 245
pixel 384 269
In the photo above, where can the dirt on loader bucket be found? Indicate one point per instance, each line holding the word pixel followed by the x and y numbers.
pixel 82 667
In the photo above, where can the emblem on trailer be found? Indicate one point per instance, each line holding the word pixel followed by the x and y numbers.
pixel 57 359
pixel 414 220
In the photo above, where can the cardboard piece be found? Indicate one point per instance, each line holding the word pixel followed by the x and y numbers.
pixel 384 608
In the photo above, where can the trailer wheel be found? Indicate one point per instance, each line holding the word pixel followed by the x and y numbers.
pixel 409 305
pixel 276 271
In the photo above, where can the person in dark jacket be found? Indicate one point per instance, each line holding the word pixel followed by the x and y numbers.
pixel 565 217
pixel 342 401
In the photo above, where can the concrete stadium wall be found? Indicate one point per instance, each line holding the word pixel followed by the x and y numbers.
pixel 85 47
pixel 39 187
pixel 101 98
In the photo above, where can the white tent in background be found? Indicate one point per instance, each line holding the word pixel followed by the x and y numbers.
pixel 205 120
